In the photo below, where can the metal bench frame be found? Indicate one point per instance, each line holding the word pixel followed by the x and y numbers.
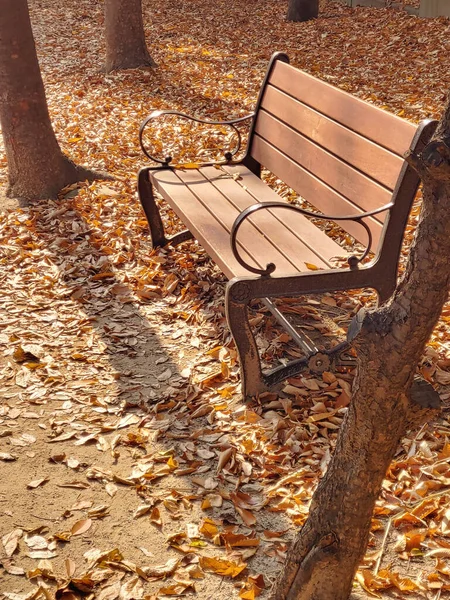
pixel 379 274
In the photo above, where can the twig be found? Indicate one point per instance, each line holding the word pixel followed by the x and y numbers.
pixel 435 495
pixel 44 518
pixel 383 545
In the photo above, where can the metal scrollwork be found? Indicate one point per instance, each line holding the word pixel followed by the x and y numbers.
pixel 353 261
pixel 228 155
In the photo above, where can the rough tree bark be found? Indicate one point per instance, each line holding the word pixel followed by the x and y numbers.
pixel 125 36
pixel 386 400
pixel 36 166
pixel 302 10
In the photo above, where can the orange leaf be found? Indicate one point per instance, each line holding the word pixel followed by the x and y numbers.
pixel 81 527
pixel 239 539
pixel 226 568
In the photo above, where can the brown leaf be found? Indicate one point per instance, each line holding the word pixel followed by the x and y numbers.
pixel 212 501
pixel 177 589
pixel 252 588
pixel 224 457
pixel 209 529
pixel 37 482
pixel 247 516
pixel 155 516
pixel 239 539
pixel 81 526
pixel 226 568
pixel 10 541
pixel 160 571
pixel 71 567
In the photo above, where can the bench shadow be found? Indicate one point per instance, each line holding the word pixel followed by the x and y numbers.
pixel 129 339
pixel 137 352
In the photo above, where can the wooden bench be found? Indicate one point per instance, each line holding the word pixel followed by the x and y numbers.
pixel 342 155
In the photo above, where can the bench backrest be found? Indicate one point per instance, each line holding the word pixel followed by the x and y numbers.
pixel 341 154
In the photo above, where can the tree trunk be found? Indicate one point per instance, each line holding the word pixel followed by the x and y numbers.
pixel 125 36
pixel 36 166
pixel 386 400
pixel 302 10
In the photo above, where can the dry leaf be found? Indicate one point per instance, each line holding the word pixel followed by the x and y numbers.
pixel 141 510
pixel 10 541
pixel 247 516
pixel 252 588
pixel 160 571
pixel 71 567
pixel 6 456
pixel 212 501
pixel 226 568
pixel 238 539
pixel 224 457
pixel 177 589
pixel 111 489
pixel 37 482
pixel 81 527
pixel 36 542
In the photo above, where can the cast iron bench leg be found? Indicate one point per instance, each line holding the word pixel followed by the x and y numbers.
pixel 147 199
pixel 236 302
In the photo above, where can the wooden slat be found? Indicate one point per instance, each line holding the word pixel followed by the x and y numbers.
pixel 198 219
pixel 208 201
pixel 301 242
pixel 323 247
pixel 359 189
pixel 256 244
pixel 210 216
pixel 381 127
pixel 378 163
pixel 314 190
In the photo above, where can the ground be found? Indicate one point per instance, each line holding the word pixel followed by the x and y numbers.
pixel 131 467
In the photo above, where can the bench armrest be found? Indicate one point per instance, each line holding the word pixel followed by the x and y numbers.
pixel 228 155
pixel 353 261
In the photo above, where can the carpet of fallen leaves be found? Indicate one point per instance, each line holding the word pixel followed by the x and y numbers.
pixel 131 469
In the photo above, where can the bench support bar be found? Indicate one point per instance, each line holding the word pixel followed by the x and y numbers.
pixel 305 342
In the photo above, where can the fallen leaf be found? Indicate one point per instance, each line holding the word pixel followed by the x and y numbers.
pixel 224 457
pixel 37 482
pixel 70 567
pixel 177 589
pixel 159 571
pixel 81 527
pixel 10 541
pixel 239 539
pixel 36 542
pixel 141 510
pixel 226 568
pixel 7 457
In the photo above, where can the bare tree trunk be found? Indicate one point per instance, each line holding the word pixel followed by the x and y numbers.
pixel 302 10
pixel 385 404
pixel 125 36
pixel 36 166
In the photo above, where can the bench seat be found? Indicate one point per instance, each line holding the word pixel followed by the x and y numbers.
pixel 208 201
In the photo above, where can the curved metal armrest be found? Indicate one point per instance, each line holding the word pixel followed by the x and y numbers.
pixel 159 113
pixel 353 261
